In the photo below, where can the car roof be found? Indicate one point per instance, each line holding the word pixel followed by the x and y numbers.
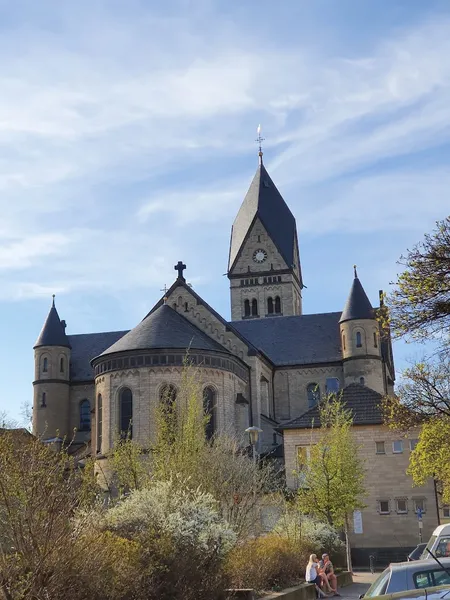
pixel 420 563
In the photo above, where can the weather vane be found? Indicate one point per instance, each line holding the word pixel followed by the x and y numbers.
pixel 260 140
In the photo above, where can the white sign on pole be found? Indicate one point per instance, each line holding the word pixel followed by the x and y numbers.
pixel 357 521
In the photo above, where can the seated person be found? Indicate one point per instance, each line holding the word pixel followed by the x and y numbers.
pixel 326 568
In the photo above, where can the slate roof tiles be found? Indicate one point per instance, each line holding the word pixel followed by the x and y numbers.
pixel 364 403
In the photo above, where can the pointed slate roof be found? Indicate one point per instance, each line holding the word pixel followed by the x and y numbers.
pixel 358 304
pixel 53 332
pixel 263 200
pixel 362 401
pixel 164 328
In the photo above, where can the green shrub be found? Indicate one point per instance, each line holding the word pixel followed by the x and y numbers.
pixel 267 562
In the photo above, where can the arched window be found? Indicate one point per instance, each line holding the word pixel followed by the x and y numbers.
pixel 126 413
pixel 313 392
pixel 254 307
pixel 99 412
pixel 85 415
pixel 362 381
pixel 277 305
pixel 358 339
pixel 269 306
pixel 45 365
pixel 209 406
pixel 44 400
pixel 61 364
pixel 247 308
pixel 375 339
pixel 167 396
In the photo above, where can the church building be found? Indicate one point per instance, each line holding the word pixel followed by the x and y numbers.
pixel 267 366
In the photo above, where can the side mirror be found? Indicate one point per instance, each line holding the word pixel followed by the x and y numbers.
pixel 361 596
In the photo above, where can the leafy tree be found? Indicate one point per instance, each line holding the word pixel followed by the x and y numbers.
pixel 333 480
pixel 422 395
pixel 218 466
pixel 431 456
pixel 423 400
pixel 38 497
pixel 420 304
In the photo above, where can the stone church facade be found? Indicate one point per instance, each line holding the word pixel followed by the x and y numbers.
pixel 267 367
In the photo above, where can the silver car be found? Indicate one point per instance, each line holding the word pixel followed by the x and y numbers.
pixel 435 593
pixel 406 576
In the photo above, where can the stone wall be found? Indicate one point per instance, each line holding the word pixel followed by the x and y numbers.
pixel 290 385
pixel 146 385
pixel 288 288
pixel 51 377
pixel 386 480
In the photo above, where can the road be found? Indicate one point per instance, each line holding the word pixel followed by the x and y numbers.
pixel 361 583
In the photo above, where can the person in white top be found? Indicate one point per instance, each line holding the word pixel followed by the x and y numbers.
pixel 312 575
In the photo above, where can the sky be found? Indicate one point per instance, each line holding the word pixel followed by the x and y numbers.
pixel 127 143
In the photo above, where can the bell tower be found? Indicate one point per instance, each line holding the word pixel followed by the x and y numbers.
pixel 264 263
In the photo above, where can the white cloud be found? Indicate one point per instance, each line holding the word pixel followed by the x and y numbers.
pixel 119 108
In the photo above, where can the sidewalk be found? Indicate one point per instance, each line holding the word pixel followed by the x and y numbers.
pixel 361 583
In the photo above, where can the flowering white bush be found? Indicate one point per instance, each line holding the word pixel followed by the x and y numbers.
pixel 298 528
pixel 189 516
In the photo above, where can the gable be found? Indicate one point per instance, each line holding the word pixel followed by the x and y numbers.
pixel 192 307
pixel 258 238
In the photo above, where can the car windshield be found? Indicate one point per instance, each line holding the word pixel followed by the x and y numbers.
pixel 379 586
pixel 431 541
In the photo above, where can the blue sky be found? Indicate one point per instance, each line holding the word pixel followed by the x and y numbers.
pixel 127 143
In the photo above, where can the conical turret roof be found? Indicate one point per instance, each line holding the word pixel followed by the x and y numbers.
pixel 53 332
pixel 358 304
pixel 263 200
pixel 164 328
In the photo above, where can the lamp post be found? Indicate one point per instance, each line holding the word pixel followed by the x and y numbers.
pixel 253 434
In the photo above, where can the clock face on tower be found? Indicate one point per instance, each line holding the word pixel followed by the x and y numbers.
pixel 259 256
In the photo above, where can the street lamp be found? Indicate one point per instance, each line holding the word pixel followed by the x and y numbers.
pixel 253 434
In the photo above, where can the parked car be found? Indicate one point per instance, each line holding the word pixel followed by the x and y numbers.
pixel 417 552
pixel 414 575
pixel 439 543
pixel 441 592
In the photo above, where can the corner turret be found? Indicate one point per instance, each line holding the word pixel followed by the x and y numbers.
pixel 51 379
pixel 360 340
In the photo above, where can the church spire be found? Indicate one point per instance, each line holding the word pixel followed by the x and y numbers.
pixel 53 332
pixel 358 305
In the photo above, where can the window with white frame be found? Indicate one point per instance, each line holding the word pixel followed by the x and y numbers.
pixel 412 444
pixel 380 448
pixel 397 446
pixel 401 506
pixel 419 504
pixel 383 507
